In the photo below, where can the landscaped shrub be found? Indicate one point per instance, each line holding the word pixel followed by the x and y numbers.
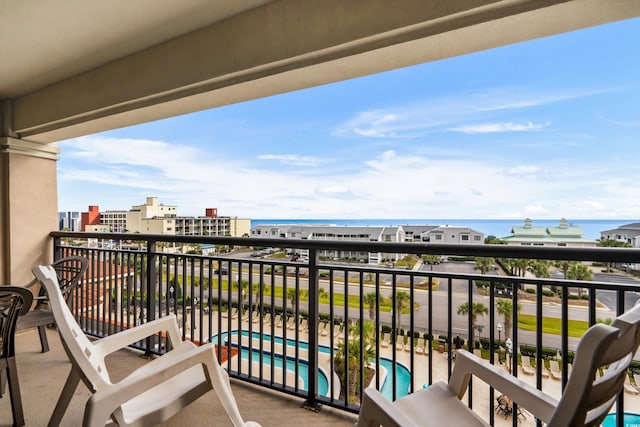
pixel 461 258
pixel 548 293
pixel 531 291
pixel 530 350
pixel 386 329
pixel 482 283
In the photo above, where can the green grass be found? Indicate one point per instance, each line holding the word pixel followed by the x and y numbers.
pixel 338 299
pixel 552 325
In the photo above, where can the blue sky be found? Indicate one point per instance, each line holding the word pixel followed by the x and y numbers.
pixel 543 129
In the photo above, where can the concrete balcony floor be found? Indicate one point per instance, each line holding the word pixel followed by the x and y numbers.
pixel 42 376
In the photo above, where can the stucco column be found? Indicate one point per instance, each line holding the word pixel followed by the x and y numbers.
pixel 28 206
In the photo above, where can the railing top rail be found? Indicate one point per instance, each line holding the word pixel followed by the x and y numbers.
pixel 623 255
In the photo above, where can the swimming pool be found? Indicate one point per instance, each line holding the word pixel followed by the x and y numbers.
pixel 630 420
pixel 403 375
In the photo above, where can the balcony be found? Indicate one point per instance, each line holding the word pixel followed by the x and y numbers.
pixel 257 305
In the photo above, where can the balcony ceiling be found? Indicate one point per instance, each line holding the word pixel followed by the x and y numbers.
pixel 76 67
pixel 42 42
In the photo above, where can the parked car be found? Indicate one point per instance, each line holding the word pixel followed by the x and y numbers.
pixel 224 271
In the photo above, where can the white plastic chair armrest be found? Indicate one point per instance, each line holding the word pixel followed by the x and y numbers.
pixel 376 410
pixel 538 403
pixel 105 401
pixel 127 337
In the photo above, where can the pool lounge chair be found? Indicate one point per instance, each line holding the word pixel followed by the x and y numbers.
pixel 256 316
pixel 324 331
pixel 584 400
pixel 291 323
pixel 336 331
pixel 544 371
pixel 409 345
pixel 554 368
pixel 384 339
pixel 267 318
pixel 526 366
pixel 400 342
pixel 421 346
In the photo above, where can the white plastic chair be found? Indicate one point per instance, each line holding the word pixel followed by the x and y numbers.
pixel 585 401
pixel 150 394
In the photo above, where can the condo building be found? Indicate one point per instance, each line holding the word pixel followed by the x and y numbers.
pixel 392 234
pixel 563 235
pixel 153 217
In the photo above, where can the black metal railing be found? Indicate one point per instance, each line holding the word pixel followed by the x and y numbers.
pixel 304 328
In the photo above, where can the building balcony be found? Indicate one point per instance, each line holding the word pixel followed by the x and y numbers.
pixel 409 322
pixel 42 376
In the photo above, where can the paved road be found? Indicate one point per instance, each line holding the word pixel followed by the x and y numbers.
pixel 609 298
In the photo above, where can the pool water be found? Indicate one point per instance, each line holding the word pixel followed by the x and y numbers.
pixel 403 375
pixel 630 420
pixel 303 368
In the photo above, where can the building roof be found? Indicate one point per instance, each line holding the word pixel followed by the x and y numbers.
pixel 564 233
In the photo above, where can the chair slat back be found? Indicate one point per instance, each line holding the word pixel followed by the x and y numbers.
pixel 82 353
pixel 14 301
pixel 587 398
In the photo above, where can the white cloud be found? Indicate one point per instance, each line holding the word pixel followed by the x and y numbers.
pixel 292 159
pixel 414 119
pixel 385 184
pixel 336 191
pixel 500 127
pixel 525 171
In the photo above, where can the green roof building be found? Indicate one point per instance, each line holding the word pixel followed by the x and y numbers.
pixel 563 235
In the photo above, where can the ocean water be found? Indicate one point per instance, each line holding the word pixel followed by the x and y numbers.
pixel 497 227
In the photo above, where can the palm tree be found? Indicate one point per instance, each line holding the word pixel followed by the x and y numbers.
pixel 293 296
pixel 431 259
pixel 402 301
pixel 579 271
pixel 371 299
pixel 350 353
pixel 612 243
pixel 322 294
pixel 504 307
pixel 540 268
pixel 477 309
pixel 484 264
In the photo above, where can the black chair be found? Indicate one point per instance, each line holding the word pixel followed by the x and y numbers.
pixel 14 301
pixel 69 270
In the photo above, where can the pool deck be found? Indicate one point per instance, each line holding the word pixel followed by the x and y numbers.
pixel 481 391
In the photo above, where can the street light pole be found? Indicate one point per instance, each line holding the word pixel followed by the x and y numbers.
pixel 499 327
pixel 509 345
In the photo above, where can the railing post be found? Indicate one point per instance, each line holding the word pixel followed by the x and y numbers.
pixel 312 386
pixel 152 287
pixel 57 250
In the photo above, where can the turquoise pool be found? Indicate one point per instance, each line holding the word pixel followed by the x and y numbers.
pixel 630 420
pixel 403 375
